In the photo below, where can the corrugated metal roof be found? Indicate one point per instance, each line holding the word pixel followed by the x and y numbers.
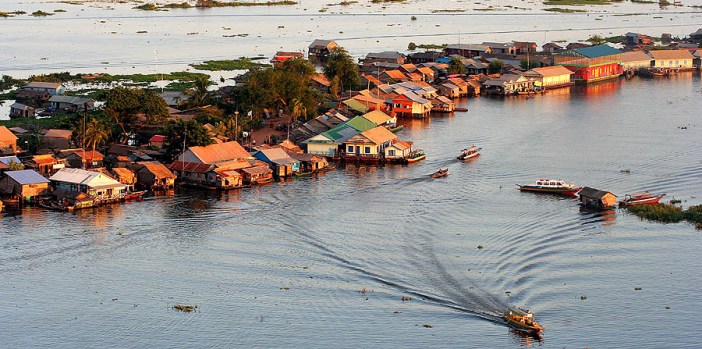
pixel 597 51
pixel 26 177
pixel 322 43
pixel 78 176
pixel 214 153
pixel 377 117
pixel 40 84
pixel 555 70
pixel 671 54
pixel 361 124
pixel 276 155
pixel 9 159
pixel 69 99
pixel 356 105
pixel 58 133
pixel 379 135
pixel 635 56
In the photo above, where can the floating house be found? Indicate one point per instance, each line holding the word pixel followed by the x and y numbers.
pixel 410 104
pixel 635 60
pixel 327 143
pixel 282 56
pixel 19 110
pixel 52 88
pixel 509 84
pixel 214 153
pixel 98 186
pixel 8 141
pixel 466 50
pixel 154 175
pixel 24 184
pixel 550 77
pixel 45 164
pixel 368 146
pixel 279 161
pixel 81 158
pixel 319 50
pixel 597 199
pixel 591 64
pixel 398 151
pixel 260 174
pixel 672 59
pixel 58 139
pixel 207 176
pixel 551 47
pixel 72 103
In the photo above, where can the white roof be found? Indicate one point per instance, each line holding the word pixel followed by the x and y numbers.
pixel 84 177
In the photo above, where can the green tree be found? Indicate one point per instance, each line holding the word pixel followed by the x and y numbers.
pixel 123 104
pixel 96 133
pixel 341 64
pixel 199 95
pixel 334 87
pixel 456 66
pixel 528 64
pixel 412 46
pixel 15 166
pixel 228 128
pixel 495 66
pixel 596 40
pixel 183 134
pixel 297 110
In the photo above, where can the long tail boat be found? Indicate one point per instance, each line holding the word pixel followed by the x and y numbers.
pixel 522 320
pixel 551 186
pixel 640 199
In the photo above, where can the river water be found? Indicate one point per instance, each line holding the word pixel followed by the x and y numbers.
pixel 326 261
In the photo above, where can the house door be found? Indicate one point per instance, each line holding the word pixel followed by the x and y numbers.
pixel 358 151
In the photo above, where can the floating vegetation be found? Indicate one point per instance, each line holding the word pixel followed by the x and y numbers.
pixel 344 3
pixel 228 64
pixel 147 7
pixel 243 35
pixel 59 10
pixel 427 326
pixel 668 213
pixel 214 3
pixel 186 308
pixel 562 10
pixel 384 1
pixel 447 11
pixel 181 5
pixel 41 13
pixel 142 32
pixel 12 14
pixel 414 18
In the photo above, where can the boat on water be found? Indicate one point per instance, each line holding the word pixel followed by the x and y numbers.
pixel 640 199
pixel 469 153
pixel 440 173
pixel 135 195
pixel 522 320
pixel 416 155
pixel 551 186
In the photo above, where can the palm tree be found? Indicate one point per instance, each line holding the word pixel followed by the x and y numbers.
pixel 227 128
pixel 298 109
pixel 199 93
pixel 96 133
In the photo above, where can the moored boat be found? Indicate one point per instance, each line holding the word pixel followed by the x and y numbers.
pixel 522 320
pixel 135 195
pixel 416 155
pixel 469 153
pixel 551 186
pixel 440 173
pixel 640 199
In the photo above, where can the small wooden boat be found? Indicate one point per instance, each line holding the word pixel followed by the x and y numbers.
pixel 440 173
pixel 416 155
pixel 640 199
pixel 135 195
pixel 522 320
pixel 469 153
pixel 551 186
pixel 396 128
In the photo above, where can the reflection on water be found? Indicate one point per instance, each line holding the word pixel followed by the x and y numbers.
pixel 279 264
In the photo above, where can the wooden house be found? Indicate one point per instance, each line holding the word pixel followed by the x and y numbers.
pixel 205 175
pixel 214 153
pixel 424 57
pixel 368 146
pixel 635 60
pixel 398 151
pixel 57 139
pixel 8 141
pixel 551 47
pixel 697 62
pixel 319 50
pixel 370 101
pixel 385 56
pixel 98 186
pixel 696 36
pixel 24 184
pixel 321 83
pixel 392 76
pixel 309 162
pixel 19 110
pixel 379 118
pixel 428 74
pixel 81 158
pixel 449 90
pixel 410 104
pixel 52 88
pixel 597 199
pixel 124 176
pixel 461 83
pixel 279 161
pixel 71 103
pixel 154 175
pixel 257 175
pixel 282 56
pixel 636 39
pixel 501 48
pixel 474 87
pixel 672 59
pixel 509 84
pixel 524 47
pixel 442 104
pixel 327 143
pixel 45 164
pixel 32 97
pixel 466 50
pixel 591 64
pixel 550 77
pixel 156 141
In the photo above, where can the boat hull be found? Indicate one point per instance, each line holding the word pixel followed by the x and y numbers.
pixel 521 326
pixel 651 200
pixel 415 159
pixel 468 156
pixel 545 190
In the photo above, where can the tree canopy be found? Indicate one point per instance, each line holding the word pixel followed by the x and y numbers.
pixel 456 66
pixel 123 104
pixel 495 66
pixel 340 64
pixel 183 134
pixel 596 40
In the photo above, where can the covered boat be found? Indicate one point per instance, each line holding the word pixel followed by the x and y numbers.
pixel 440 173
pixel 469 153
pixel 416 155
pixel 522 320
pixel 552 186
pixel 640 199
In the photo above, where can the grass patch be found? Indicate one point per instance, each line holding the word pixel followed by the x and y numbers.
pixel 228 64
pixel 577 2
pixel 149 78
pixel 181 5
pixel 615 39
pixel 59 121
pixel 562 10
pixel 213 3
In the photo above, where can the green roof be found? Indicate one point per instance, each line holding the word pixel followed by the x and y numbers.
pixel 361 124
pixel 597 51
pixel 356 105
pixel 336 133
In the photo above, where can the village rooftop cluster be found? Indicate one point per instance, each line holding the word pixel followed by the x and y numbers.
pixel 360 126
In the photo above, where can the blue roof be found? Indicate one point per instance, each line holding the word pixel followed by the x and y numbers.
pixel 597 51
pixel 26 177
pixel 8 159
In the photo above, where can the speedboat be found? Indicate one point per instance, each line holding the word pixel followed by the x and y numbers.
pixel 640 199
pixel 522 320
pixel 551 186
pixel 440 173
pixel 469 153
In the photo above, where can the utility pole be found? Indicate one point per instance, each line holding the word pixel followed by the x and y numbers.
pixel 236 125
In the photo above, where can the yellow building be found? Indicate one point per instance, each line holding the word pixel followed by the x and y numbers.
pixel 550 77
pixel 672 59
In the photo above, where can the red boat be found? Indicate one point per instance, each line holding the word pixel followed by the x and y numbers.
pixel 440 173
pixel 641 199
pixel 469 153
pixel 135 195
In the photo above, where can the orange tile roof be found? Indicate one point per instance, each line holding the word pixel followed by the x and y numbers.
pixel 635 56
pixel 321 79
pixel 555 70
pixel 159 170
pixel 5 134
pixel 377 117
pixel 214 153
pixel 372 79
pixel 379 135
pixel 395 74
pixel 403 145
pixel 426 70
pixel 190 167
pixel 671 54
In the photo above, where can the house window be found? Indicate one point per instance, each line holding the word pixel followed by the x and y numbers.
pixel 368 150
pixel 391 152
pixel 350 149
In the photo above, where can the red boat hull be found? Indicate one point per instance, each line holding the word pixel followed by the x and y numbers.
pixel 558 191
